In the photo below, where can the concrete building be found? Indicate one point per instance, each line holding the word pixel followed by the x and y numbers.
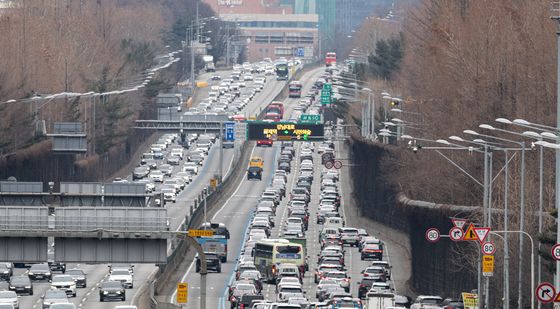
pixel 277 35
pixel 250 6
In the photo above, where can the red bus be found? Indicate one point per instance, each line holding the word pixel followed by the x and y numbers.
pixel 330 58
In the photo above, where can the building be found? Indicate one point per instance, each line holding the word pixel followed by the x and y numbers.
pixel 277 35
pixel 251 6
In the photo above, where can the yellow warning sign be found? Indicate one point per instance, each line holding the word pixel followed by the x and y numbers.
pixel 213 183
pixel 487 265
pixel 470 234
pixel 470 300
pixel 182 293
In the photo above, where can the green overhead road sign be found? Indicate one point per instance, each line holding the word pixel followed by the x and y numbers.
pixel 327 86
pixel 310 118
pixel 325 97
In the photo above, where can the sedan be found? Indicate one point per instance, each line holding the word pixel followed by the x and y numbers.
pixel 21 285
pixel 111 290
pixel 39 272
pixel 54 297
pixel 79 277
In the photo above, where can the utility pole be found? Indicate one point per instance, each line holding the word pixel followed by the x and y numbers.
pixel 192 60
pixel 227 44
pixel 556 17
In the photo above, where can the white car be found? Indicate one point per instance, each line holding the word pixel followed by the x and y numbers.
pixel 426 300
pixel 156 176
pixel 64 283
pixel 9 297
pixel 190 167
pixel 126 307
pixel 122 275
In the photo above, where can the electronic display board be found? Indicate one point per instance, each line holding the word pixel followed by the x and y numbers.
pixel 285 131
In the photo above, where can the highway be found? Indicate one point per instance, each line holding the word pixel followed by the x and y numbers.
pixel 89 297
pixel 239 209
pixel 237 213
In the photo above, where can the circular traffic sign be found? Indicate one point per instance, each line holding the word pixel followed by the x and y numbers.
pixel 556 252
pixel 432 234
pixel 329 164
pixel 488 248
pixel 456 233
pixel 327 157
pixel 337 165
pixel 545 292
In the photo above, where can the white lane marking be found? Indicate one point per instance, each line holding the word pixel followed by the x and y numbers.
pixel 172 298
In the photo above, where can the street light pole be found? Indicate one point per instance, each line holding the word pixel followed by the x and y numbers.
pixel 557 166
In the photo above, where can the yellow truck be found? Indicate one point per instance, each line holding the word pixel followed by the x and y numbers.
pixel 257 162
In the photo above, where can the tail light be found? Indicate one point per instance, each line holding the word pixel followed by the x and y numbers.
pixel 363 286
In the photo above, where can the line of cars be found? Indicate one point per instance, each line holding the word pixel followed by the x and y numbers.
pixel 62 285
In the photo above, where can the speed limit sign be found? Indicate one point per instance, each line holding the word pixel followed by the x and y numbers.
pixel 556 252
pixel 432 235
pixel 488 248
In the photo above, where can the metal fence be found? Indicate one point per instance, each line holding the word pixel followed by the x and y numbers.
pixel 112 218
pixel 432 265
pixel 23 218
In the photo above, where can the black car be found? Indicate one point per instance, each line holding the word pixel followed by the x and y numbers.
pixel 364 287
pixel 79 277
pixel 5 272
pixel 247 299
pixel 112 290
pixel 285 166
pixel 21 285
pixel 212 262
pixel 39 272
pixel 372 251
pixel 57 266
pixel 254 172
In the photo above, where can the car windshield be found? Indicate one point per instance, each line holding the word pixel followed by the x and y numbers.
pixel 74 272
pixel 63 306
pixel 336 275
pixel 62 278
pixel 435 301
pixel 120 272
pixel 55 294
pixel 245 287
pixel 39 267
pixel 7 294
pixel 111 285
pixel 20 280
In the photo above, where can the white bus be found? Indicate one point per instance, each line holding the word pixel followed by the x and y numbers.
pixel 269 253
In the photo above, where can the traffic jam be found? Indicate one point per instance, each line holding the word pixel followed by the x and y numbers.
pixel 298 251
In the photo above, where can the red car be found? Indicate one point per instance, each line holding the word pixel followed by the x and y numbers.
pixel 264 142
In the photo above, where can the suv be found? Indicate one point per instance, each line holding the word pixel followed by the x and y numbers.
pixel 425 300
pixel 64 283
pixel 349 236
pixel 122 275
pixel 212 262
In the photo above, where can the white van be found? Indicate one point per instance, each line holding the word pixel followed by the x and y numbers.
pixel 333 222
